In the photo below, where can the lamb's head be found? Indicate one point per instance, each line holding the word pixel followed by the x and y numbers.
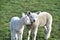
pixel 26 19
pixel 33 16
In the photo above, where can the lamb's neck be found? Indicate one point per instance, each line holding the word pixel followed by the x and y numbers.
pixel 22 20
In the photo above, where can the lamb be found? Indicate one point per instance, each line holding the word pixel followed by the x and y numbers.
pixel 17 26
pixel 39 19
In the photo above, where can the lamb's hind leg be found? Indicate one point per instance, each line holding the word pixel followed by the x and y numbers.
pixel 48 31
pixel 14 35
pixel 34 33
pixel 11 35
pixel 45 32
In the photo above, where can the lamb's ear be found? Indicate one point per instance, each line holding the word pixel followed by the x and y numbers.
pixel 26 16
pixel 38 12
pixel 28 13
pixel 23 14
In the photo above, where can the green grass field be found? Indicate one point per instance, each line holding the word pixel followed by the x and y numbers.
pixel 10 8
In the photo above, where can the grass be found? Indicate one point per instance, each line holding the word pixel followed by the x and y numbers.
pixel 10 8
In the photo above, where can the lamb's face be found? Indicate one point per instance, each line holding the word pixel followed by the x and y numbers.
pixel 33 17
pixel 27 20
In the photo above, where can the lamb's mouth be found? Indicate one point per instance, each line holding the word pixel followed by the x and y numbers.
pixel 28 25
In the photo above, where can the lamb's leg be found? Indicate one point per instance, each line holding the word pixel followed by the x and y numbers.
pixel 48 31
pixel 45 32
pixel 20 36
pixel 28 34
pixel 11 35
pixel 49 28
pixel 34 33
pixel 14 36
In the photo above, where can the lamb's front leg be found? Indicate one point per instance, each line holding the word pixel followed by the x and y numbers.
pixel 20 36
pixel 28 34
pixel 35 33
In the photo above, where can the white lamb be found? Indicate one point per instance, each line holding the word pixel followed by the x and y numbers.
pixel 42 19
pixel 17 26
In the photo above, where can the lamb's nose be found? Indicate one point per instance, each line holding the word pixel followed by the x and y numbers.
pixel 33 20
